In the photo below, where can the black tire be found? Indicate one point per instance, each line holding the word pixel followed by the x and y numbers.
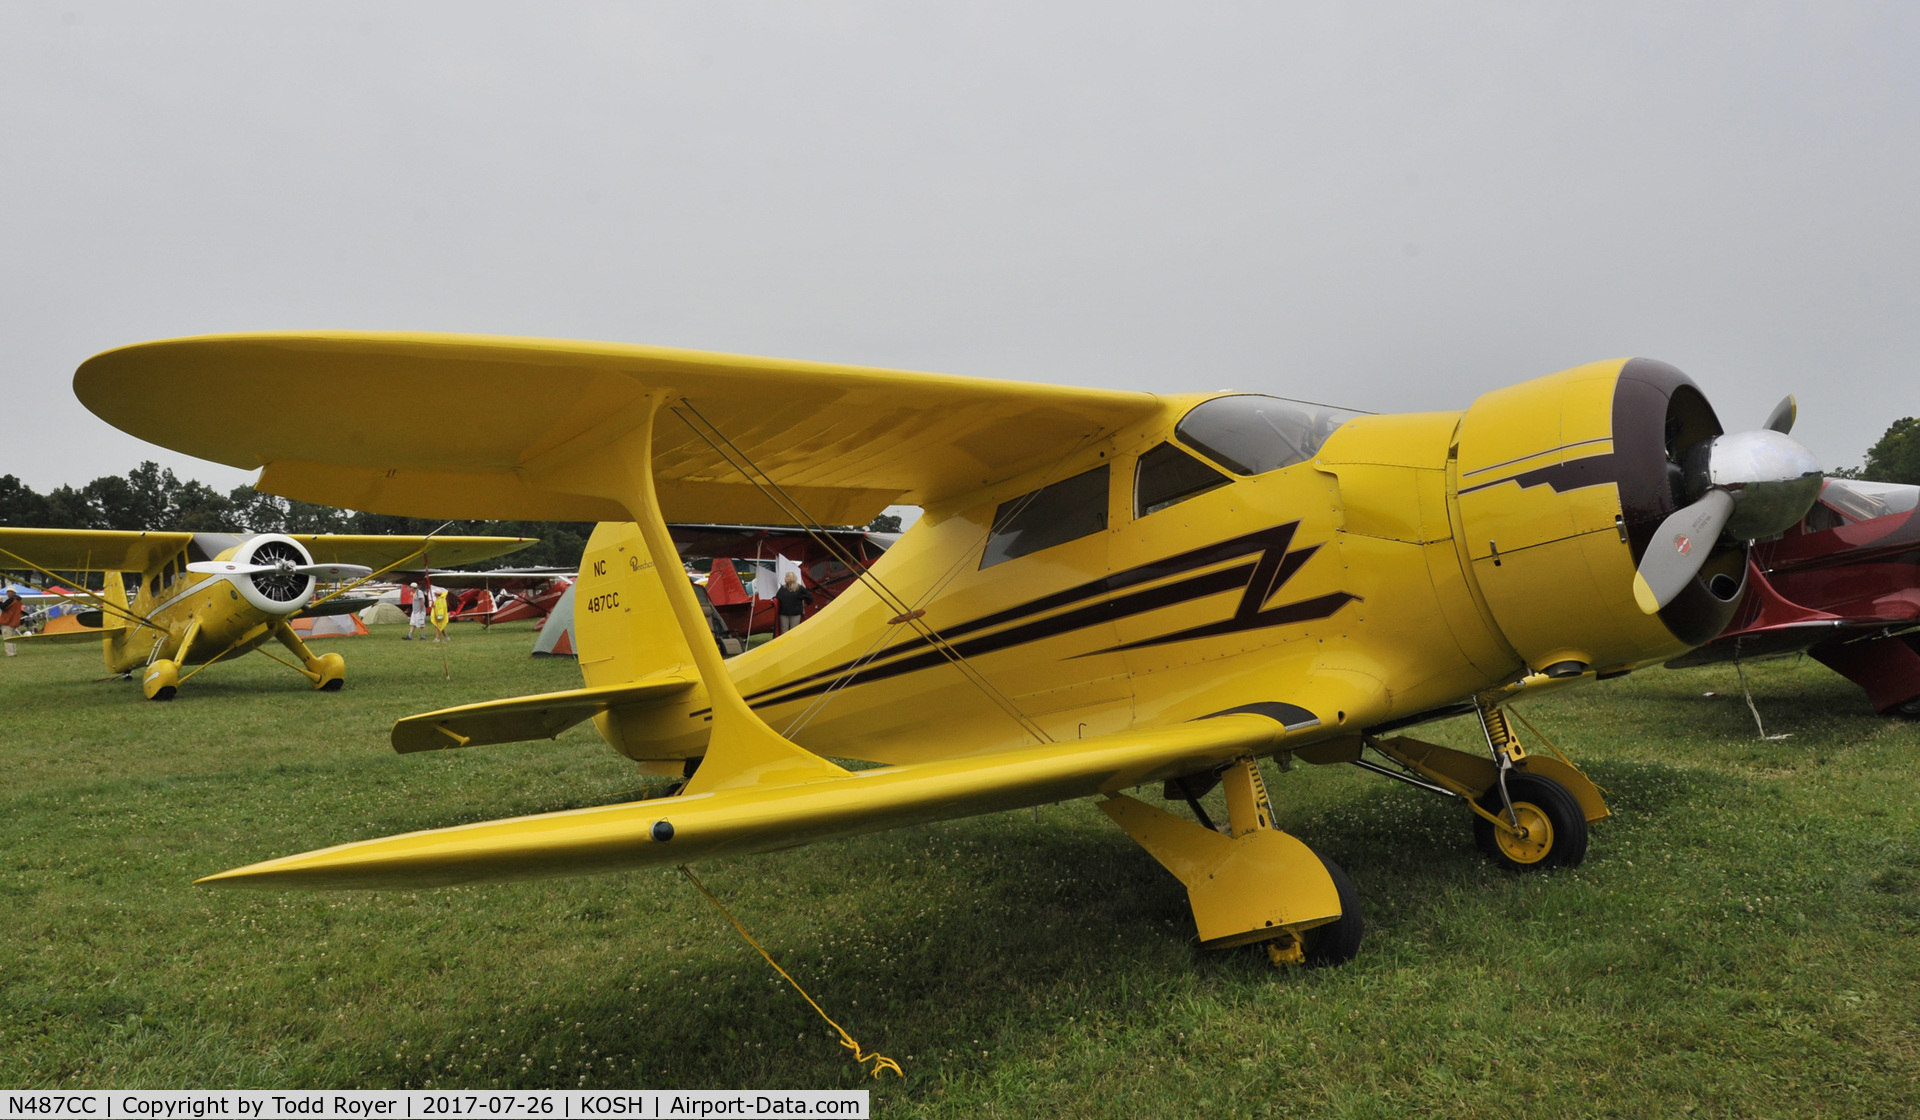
pixel 1908 710
pixel 1338 941
pixel 1566 844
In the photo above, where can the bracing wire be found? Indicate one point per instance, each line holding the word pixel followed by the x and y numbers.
pixel 765 483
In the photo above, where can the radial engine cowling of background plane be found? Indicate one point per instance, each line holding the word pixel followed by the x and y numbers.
pixel 1606 512
pixel 280 590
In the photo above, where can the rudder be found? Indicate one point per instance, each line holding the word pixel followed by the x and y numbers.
pixel 624 630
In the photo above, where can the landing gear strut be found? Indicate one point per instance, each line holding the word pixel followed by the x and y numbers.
pixel 1530 811
pixel 1251 883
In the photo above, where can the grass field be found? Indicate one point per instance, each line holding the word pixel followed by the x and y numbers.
pixel 1740 942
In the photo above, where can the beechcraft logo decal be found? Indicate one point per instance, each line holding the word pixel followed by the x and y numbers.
pixel 1265 564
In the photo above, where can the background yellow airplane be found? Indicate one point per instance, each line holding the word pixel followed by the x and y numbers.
pixel 198 598
pixel 1108 590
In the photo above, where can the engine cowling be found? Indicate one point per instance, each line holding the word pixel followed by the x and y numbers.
pixel 277 592
pixel 1560 486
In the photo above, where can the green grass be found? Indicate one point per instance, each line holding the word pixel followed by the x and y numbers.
pixel 1740 942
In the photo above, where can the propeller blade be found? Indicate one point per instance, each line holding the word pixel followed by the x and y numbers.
pixel 227 568
pixel 1783 415
pixel 333 571
pixel 1679 547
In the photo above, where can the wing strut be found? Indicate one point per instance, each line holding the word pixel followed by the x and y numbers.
pixel 742 750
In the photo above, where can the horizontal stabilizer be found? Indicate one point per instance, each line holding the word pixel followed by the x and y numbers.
pixel 519 719
pixel 690 827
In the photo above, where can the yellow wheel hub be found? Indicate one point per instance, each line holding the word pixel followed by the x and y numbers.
pixel 1538 841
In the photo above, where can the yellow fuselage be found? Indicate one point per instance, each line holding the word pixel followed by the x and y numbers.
pixel 221 620
pixel 1415 560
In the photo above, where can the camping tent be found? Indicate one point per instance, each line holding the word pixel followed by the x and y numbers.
pixel 556 633
pixel 330 626
pixel 384 611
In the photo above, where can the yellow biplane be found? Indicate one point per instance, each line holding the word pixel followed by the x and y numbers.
pixel 1107 591
pixel 199 598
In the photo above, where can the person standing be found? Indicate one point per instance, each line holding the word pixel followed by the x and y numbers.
pixel 417 621
pixel 12 619
pixel 440 615
pixel 791 602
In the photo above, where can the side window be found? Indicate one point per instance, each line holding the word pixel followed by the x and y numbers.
pixel 1253 434
pixel 1167 475
pixel 153 586
pixel 1822 517
pixel 166 575
pixel 1067 510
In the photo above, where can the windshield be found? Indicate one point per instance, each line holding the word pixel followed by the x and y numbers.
pixel 1864 501
pixel 1251 434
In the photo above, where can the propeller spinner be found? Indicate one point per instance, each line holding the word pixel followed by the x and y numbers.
pixel 1742 485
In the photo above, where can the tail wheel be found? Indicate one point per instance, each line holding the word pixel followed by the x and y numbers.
pixel 1555 826
pixel 1338 941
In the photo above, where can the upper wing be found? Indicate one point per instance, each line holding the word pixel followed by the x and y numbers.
pixel 90 550
pixel 481 420
pixel 750 819
pixel 378 552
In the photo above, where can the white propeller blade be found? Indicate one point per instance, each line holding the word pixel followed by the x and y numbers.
pixel 322 571
pixel 1783 415
pixel 228 568
pixel 1678 549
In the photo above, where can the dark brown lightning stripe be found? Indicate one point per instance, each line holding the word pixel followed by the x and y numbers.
pixel 1109 599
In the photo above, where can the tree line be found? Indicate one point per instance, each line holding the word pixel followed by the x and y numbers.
pixel 151 499
pixel 1894 457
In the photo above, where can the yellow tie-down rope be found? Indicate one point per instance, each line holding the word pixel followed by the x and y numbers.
pixel 880 1061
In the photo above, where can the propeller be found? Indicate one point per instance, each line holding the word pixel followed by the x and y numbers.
pixel 319 571
pixel 1743 485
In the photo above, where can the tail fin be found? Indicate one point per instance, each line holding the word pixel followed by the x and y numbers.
pixel 113 624
pixel 625 633
pixel 622 625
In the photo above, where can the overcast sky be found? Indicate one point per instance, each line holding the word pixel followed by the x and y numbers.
pixel 1389 207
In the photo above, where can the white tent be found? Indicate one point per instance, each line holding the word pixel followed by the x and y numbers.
pixel 556 633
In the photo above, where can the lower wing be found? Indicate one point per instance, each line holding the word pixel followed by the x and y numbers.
pixel 725 822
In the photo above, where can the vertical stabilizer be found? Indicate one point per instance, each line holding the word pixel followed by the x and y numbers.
pixel 112 624
pixel 623 627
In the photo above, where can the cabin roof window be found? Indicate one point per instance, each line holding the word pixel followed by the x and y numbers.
pixel 1167 475
pixel 1249 434
pixel 1067 510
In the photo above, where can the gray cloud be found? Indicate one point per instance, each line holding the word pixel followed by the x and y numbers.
pixel 1394 207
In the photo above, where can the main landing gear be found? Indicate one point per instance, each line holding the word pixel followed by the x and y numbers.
pixel 1249 883
pixel 1530 812
pixel 327 672
pixel 162 678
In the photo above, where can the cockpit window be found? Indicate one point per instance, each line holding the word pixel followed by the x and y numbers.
pixel 1254 434
pixel 1864 501
pixel 1167 475
pixel 1067 510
